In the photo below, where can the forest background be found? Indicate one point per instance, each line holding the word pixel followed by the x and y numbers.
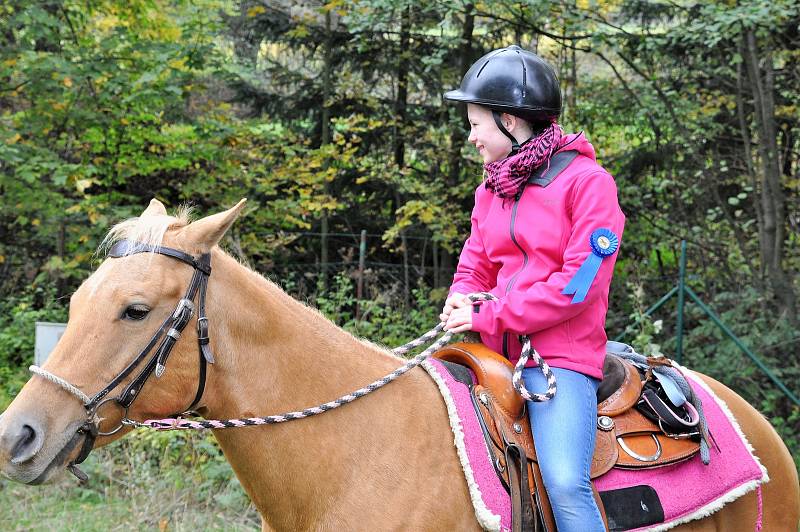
pixel 329 118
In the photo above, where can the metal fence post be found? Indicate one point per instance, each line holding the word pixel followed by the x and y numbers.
pixel 681 303
pixel 362 257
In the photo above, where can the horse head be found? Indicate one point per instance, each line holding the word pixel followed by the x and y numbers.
pixel 113 316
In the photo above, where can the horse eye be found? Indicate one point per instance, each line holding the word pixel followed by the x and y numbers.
pixel 135 312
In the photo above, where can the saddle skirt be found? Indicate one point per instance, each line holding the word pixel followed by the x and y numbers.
pixel 489 414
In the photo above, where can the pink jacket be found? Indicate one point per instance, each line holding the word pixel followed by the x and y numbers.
pixel 526 251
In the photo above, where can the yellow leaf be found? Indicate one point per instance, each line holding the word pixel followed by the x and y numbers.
pixel 83 184
pixel 14 139
pixel 255 11
pixel 2 259
pixel 36 222
pixel 67 82
pixel 178 64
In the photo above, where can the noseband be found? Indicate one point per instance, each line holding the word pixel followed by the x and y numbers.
pixel 160 344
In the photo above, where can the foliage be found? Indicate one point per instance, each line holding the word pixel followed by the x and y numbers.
pixel 18 316
pixel 381 319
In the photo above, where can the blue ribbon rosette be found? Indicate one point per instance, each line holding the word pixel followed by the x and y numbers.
pixel 603 243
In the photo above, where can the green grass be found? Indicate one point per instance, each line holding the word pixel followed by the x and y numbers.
pixel 156 482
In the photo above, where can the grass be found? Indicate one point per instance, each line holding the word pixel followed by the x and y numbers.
pixel 175 482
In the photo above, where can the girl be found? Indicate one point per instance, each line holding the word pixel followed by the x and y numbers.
pixel 544 244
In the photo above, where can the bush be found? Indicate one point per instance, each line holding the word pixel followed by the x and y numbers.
pixel 18 316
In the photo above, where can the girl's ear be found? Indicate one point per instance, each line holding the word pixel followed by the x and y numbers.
pixel 509 121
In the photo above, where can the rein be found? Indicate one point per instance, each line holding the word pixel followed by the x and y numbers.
pixel 171 330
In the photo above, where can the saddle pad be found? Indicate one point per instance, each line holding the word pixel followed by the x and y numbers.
pixel 690 490
pixel 490 500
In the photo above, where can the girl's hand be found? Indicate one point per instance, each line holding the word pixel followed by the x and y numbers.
pixel 460 320
pixel 455 301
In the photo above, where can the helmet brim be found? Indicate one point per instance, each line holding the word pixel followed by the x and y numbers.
pixel 462 97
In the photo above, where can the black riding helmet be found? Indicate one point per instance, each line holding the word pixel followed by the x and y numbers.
pixel 515 81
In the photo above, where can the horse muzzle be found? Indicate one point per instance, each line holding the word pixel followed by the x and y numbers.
pixel 28 457
pixel 20 439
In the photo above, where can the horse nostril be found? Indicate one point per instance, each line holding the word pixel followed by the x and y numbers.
pixel 27 444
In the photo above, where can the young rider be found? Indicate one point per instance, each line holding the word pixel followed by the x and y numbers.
pixel 544 244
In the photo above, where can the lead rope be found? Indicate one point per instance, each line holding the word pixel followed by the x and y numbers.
pixel 527 353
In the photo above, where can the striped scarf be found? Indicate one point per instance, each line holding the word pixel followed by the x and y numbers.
pixel 506 177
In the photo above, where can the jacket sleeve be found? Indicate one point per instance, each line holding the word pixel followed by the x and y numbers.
pixel 475 272
pixel 594 206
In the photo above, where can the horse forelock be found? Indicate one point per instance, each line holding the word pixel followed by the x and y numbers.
pixel 148 230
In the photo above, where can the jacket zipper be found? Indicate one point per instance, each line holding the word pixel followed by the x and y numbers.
pixel 524 261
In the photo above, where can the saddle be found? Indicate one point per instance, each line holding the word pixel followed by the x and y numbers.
pixel 625 437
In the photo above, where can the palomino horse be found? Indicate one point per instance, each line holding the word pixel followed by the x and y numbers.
pixel 385 462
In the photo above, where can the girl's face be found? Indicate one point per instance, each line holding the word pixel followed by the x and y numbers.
pixel 491 143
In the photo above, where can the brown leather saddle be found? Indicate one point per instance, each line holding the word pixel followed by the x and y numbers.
pixel 625 438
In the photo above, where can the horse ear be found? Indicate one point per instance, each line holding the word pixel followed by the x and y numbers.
pixel 156 208
pixel 208 231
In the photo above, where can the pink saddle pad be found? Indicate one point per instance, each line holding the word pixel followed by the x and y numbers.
pixel 686 491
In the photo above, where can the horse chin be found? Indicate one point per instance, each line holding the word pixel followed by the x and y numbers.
pixel 50 462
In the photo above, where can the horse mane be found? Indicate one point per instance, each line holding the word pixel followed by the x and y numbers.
pixel 318 319
pixel 149 229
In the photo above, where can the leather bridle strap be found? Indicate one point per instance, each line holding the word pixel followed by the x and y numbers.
pixel 172 327
pixel 158 362
pixel 167 335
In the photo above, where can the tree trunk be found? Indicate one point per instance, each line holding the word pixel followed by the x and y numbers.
pixel 457 134
pixel 772 195
pixel 401 102
pixel 245 40
pixel 400 116
pixel 465 55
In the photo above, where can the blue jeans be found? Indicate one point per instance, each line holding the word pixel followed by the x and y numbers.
pixel 563 431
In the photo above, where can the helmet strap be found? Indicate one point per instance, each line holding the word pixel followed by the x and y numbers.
pixel 514 144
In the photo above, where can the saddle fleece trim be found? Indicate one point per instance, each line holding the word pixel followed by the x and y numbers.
pixel 739 491
pixel 488 519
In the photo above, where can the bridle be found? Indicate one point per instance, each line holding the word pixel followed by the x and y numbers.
pixel 160 344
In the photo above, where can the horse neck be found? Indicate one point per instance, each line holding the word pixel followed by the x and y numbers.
pixel 273 355
pixel 276 352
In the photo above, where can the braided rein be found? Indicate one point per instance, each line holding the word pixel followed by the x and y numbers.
pixel 430 336
pixel 527 353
